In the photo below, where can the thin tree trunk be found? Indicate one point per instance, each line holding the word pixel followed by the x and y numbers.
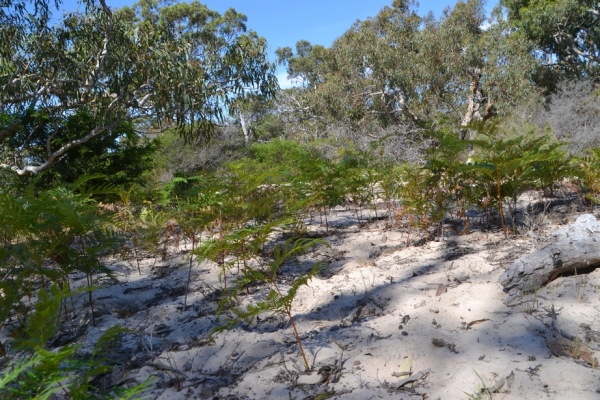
pixel 245 128
pixel 187 286
pixel 501 209
pixel 356 209
pixel 306 364
pixel 91 298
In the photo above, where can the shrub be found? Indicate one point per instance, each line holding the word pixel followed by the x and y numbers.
pixel 573 113
pixel 39 372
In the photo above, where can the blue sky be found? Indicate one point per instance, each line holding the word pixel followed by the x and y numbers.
pixel 284 22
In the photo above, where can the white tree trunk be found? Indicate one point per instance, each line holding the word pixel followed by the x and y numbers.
pixel 245 127
pixel 474 105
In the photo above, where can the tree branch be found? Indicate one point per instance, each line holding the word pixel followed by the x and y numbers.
pixel 573 49
pixel 104 52
pixel 55 155
pixel 407 110
pixel 9 131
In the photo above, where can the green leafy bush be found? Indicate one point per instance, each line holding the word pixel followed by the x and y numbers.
pixel 279 299
pixel 507 167
pixel 121 156
pixel 52 235
pixel 40 372
pixel 587 172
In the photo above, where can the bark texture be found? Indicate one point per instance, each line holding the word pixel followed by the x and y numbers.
pixel 573 248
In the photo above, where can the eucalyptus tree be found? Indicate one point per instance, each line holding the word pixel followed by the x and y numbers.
pixel 156 64
pixel 567 32
pixel 304 108
pixel 251 112
pixel 122 155
pixel 20 16
pixel 398 67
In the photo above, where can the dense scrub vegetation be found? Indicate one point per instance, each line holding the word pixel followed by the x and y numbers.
pixel 419 119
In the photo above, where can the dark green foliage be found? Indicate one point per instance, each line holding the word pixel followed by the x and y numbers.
pixel 243 207
pixel 445 183
pixel 306 180
pixel 449 181
pixel 43 372
pixel 52 235
pixel 566 32
pixel 270 127
pixel 120 155
pixel 509 167
pixel 279 299
pixel 481 173
pixel 280 153
pixel 586 169
pixel 157 65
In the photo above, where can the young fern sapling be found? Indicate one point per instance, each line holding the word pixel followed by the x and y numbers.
pixel 195 212
pixel 278 300
pixel 41 372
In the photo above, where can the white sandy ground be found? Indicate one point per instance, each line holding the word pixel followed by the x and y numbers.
pixel 378 301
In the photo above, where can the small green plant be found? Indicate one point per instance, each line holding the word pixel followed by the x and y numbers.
pixel 509 167
pixel 390 183
pixel 40 372
pixel 153 237
pixel 415 198
pixel 354 181
pixel 195 211
pixel 484 391
pixel 127 221
pixel 449 182
pixel 279 299
pixel 587 171
pixel 323 188
pixel 531 304
pixel 56 233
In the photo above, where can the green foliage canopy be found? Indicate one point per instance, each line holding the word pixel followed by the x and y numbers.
pixel 121 154
pixel 566 31
pixel 155 64
pixel 398 67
